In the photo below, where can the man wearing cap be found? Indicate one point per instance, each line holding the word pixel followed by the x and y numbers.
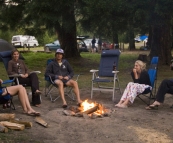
pixel 61 73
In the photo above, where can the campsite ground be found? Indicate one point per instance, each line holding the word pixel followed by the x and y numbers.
pixel 131 125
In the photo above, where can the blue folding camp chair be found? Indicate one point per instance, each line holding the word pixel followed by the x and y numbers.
pixel 105 74
pixel 5 57
pixel 152 71
pixel 7 99
pixel 51 88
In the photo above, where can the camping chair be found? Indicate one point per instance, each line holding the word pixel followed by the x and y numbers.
pixel 102 78
pixel 51 88
pixel 5 58
pixel 6 100
pixel 152 71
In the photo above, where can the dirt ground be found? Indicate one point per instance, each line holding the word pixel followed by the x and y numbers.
pixel 131 125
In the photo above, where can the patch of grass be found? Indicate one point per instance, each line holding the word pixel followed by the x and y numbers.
pixel 88 61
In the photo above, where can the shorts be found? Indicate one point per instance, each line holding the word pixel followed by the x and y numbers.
pixel 93 46
pixel 63 80
pixel 4 99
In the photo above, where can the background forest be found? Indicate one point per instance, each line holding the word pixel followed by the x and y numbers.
pixel 118 21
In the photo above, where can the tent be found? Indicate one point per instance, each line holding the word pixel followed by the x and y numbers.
pixel 5 46
pixel 141 38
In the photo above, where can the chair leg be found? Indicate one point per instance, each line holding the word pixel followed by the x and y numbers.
pixel 70 93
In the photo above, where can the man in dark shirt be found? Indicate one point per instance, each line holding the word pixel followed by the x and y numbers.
pixel 61 72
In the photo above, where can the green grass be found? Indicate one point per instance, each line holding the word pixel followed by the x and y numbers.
pixel 37 61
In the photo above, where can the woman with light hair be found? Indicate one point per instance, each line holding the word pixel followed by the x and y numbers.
pixel 141 84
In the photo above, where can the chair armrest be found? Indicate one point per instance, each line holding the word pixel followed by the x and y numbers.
pixel 35 72
pixel 77 76
pixel 94 71
pixel 51 79
pixel 14 75
pixel 115 72
pixel 7 81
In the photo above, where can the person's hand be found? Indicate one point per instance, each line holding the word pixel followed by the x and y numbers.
pixel 1 81
pixel 24 75
pixel 134 70
pixel 66 77
pixel 60 77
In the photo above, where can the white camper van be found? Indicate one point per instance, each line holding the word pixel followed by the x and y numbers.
pixel 24 41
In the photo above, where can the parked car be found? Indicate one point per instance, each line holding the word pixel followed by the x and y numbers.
pixel 82 45
pixel 106 44
pixel 25 41
pixel 52 46
pixel 56 45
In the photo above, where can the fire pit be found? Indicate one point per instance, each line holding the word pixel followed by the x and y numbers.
pixel 92 110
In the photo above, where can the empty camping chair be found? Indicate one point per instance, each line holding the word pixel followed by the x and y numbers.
pixel 154 65
pixel 51 88
pixel 106 73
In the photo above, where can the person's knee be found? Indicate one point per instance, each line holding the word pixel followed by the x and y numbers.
pixel 33 75
pixel 20 86
pixel 165 81
pixel 59 83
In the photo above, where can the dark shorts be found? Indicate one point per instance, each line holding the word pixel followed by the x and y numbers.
pixel 4 99
pixel 63 80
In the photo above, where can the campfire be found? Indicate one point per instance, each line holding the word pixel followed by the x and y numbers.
pixel 87 109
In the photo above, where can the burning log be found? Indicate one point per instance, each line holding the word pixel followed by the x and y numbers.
pixel 5 116
pixel 74 109
pixel 69 113
pixel 91 110
pixel 78 115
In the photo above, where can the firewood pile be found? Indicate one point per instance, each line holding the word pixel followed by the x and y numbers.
pixel 8 121
pixel 93 110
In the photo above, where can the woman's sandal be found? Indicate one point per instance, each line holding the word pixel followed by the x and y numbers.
pixel 79 104
pixel 33 114
pixel 64 106
pixel 37 92
pixel 152 107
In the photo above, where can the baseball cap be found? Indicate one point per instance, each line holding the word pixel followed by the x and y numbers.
pixel 60 51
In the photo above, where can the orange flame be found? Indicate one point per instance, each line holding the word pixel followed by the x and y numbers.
pixel 86 106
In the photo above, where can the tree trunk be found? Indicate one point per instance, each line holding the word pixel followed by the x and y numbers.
pixel 131 40
pixel 67 33
pixel 115 41
pixel 161 43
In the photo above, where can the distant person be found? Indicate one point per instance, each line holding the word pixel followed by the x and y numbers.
pixel 17 66
pixel 93 44
pixel 61 72
pixel 100 44
pixel 141 84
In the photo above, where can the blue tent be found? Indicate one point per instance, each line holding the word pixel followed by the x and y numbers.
pixel 143 37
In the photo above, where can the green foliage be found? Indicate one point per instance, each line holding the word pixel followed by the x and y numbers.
pixel 7 35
